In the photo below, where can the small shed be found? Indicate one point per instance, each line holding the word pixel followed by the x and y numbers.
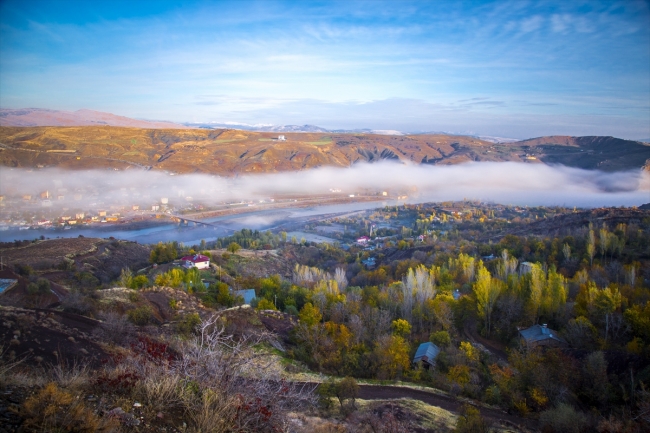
pixel 426 354
pixel 541 335
pixel 248 295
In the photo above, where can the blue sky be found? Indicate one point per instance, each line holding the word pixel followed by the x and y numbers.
pixel 508 68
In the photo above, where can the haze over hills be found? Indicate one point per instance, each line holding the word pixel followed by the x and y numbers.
pixel 44 117
pixel 232 152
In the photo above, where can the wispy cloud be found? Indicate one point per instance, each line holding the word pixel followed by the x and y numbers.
pixel 147 63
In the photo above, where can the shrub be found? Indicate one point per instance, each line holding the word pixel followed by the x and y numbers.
pixel 140 316
pixel 76 303
pixel 116 328
pixel 189 323
pixel 139 281
pixel 234 247
pixel 265 304
pixel 471 421
pixel 562 418
pixel 440 338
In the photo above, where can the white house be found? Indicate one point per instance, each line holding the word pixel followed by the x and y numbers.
pixel 363 240
pixel 282 138
pixel 198 261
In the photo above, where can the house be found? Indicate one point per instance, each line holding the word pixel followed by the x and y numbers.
pixel 282 138
pixel 426 354
pixel 541 335
pixel 363 240
pixel 198 261
pixel 370 262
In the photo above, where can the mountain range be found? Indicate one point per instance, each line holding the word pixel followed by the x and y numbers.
pixel 230 152
pixel 44 117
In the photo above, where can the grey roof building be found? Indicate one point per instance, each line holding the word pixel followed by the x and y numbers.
pixel 426 354
pixel 541 335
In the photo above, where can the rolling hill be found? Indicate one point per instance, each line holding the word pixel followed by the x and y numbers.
pixel 233 152
pixel 43 117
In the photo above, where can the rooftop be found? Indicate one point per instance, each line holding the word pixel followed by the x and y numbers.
pixel 426 352
pixel 538 333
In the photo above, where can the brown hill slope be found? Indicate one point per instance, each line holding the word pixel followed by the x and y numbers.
pixel 43 117
pixel 232 152
pixel 605 153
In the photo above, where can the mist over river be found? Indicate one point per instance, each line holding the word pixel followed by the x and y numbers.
pixel 154 231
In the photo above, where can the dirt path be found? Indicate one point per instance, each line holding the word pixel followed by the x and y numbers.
pixel 372 392
pixel 496 348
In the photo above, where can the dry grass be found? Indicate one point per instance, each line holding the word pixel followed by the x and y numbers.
pixel 53 409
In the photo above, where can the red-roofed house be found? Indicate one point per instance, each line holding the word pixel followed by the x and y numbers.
pixel 198 261
pixel 363 240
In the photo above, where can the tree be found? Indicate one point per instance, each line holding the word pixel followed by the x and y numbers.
pixel 234 247
pixel 126 278
pixel 139 281
pixel 537 285
pixel 265 304
pixel 401 327
pixel 392 354
pixel 607 301
pixel 347 389
pixel 591 247
pixel 310 315
pixel 487 290
pixel 471 421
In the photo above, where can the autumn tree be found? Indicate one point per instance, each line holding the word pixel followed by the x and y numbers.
pixel 487 290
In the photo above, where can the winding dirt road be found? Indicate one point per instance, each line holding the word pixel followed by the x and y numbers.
pixel 382 392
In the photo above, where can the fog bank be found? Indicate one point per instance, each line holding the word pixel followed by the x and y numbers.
pixel 516 183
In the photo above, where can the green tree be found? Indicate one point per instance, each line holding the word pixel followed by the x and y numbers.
pixel 347 389
pixel 310 315
pixel 234 247
pixel 126 278
pixel 139 281
pixel 265 304
pixel 440 338
pixel 471 421
pixel 401 327
pixel 608 301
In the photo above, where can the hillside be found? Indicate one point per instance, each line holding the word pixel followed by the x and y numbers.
pixel 43 117
pixel 232 152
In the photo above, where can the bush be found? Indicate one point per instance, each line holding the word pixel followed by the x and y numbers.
pixel 189 323
pixel 24 270
pixel 471 421
pixel 140 316
pixel 234 247
pixel 265 304
pixel 139 281
pixel 562 418
pixel 116 328
pixel 76 303
pixel 440 338
pixel 53 409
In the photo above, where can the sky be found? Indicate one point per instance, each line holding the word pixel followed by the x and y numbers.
pixel 513 69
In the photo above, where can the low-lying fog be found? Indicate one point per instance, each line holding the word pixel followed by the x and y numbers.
pixel 508 183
